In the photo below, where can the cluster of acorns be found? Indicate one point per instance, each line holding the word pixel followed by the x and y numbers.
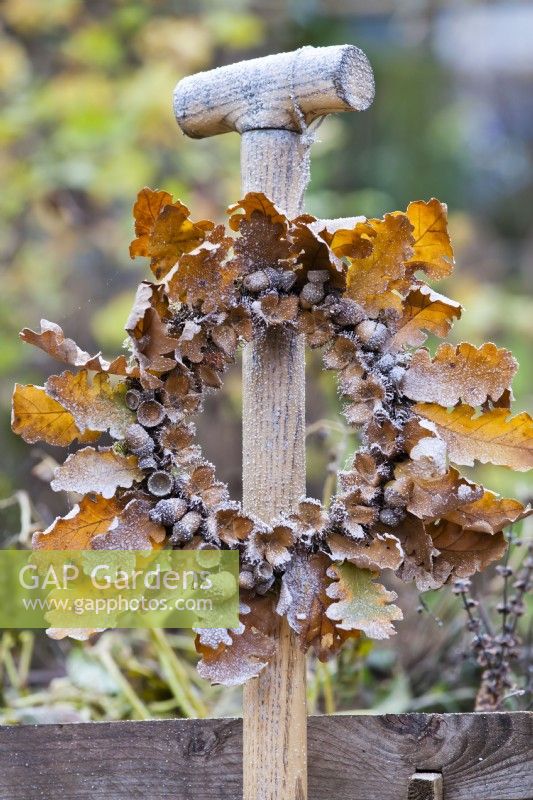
pixel 362 342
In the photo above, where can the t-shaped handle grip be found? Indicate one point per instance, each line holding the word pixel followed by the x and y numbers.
pixel 286 91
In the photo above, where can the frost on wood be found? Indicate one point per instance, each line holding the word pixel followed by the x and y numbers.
pixel 352 288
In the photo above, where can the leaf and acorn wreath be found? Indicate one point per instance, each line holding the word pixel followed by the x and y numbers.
pixel 401 504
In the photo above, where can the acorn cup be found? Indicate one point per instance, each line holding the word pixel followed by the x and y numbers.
pixel 150 413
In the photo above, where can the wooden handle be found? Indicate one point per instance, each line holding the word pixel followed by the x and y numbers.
pixel 286 91
pixel 274 710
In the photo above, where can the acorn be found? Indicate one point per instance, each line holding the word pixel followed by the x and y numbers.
pixel 317 275
pixel 138 441
pixel 386 363
pixel 160 483
pixel 256 281
pixel 246 579
pixel 132 399
pixel 147 462
pixel 397 374
pixel 348 312
pixel 168 511
pixel 150 413
pixel 263 572
pixel 391 516
pixel 372 334
pixel 311 294
pixel 286 280
pixel 184 530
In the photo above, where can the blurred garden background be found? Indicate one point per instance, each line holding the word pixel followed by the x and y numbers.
pixel 86 122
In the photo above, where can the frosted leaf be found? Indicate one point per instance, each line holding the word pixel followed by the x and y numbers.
pixel 53 341
pixel 361 603
pixel 131 530
pixel 384 551
pixel 468 373
pixel 101 471
pixel 95 403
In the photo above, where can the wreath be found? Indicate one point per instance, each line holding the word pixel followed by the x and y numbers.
pixel 401 504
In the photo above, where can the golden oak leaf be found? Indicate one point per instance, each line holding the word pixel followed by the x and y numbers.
pixel 419 554
pixel 164 230
pixel 311 245
pixel 489 514
pixel 374 280
pixel 132 529
pixel 38 417
pixel 491 437
pixel 202 279
pixel 361 603
pixel 432 249
pixel 53 341
pixel 467 373
pixel 99 471
pixel 76 530
pixel 95 404
pixel 424 311
pixel 232 657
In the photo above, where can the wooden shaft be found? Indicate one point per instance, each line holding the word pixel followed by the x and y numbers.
pixel 274 711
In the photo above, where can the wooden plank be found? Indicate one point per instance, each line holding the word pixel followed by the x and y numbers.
pixel 481 756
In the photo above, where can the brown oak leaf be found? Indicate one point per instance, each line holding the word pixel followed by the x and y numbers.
pixel 53 341
pixel 132 529
pixel 263 232
pixel 467 373
pixel 203 279
pixel 240 654
pixel 489 514
pixel 384 551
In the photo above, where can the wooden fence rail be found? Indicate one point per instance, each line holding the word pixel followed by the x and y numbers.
pixel 480 757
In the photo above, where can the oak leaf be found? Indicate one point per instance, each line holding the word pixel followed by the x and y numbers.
pixel 360 602
pixel 164 230
pixel 263 230
pixel 432 249
pixel 433 496
pixel 464 552
pixel 241 654
pixel 38 417
pixel 384 551
pixel 491 437
pixel 424 311
pixel 100 471
pixel 76 530
pixel 489 514
pixel 132 529
pixel 53 341
pixel 203 279
pixel 95 404
pixel 376 281
pixel 467 373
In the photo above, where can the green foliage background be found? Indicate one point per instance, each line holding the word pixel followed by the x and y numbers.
pixel 86 94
